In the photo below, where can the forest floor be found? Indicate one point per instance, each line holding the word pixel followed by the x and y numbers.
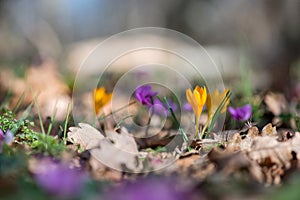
pixel 52 147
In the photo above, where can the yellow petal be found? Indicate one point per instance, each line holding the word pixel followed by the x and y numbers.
pixel 204 96
pixel 214 100
pixel 192 100
pixel 209 105
pixel 227 102
pixel 197 99
pixel 101 98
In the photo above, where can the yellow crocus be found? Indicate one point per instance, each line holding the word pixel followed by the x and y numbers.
pixel 213 102
pixel 101 98
pixel 197 99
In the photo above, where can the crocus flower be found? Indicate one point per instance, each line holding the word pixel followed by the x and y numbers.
pixel 241 113
pixel 161 108
pixel 213 102
pixel 58 179
pixel 144 95
pixel 101 98
pixel 147 189
pixel 187 107
pixel 197 99
pixel 6 138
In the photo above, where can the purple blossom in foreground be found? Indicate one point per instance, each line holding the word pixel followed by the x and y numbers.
pixel 58 179
pixel 147 189
pixel 160 108
pixel 144 95
pixel 6 138
pixel 187 107
pixel 241 113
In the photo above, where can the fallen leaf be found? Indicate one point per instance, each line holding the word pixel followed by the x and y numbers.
pixel 276 103
pixel 117 150
pixel 123 140
pixel 114 157
pixel 229 162
pixel 235 142
pixel 269 130
pixel 275 157
pixel 84 135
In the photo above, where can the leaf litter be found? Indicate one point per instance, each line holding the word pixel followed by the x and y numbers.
pixel 265 155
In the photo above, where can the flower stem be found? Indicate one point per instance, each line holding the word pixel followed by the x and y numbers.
pixel 204 128
pixel 149 121
pixel 115 111
pixel 184 136
pixel 197 127
pixel 66 123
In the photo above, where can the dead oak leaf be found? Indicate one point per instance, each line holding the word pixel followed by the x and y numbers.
pixel 123 140
pixel 236 142
pixel 84 135
pixel 275 157
pixel 268 151
pixel 116 150
pixel 229 162
pixel 269 130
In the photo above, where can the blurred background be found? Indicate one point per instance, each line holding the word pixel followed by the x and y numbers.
pixel 262 34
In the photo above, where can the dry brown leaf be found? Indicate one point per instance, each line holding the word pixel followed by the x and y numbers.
pixel 114 157
pixel 295 143
pixel 253 132
pixel 116 150
pixel 276 103
pixel 229 162
pixel 274 157
pixel 123 140
pixel 237 143
pixel 268 151
pixel 85 135
pixel 269 130
pixel 186 162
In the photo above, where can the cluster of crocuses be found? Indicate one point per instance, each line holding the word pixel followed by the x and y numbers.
pixel 216 104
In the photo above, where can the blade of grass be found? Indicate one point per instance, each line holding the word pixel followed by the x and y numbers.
pixel 66 123
pixel 26 112
pixel 184 135
pixel 115 111
pixel 122 120
pixel 38 111
pixel 52 119
pixel 20 100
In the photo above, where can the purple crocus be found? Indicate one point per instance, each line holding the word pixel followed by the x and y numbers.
pixel 147 189
pixel 241 113
pixel 161 108
pixel 144 95
pixel 58 179
pixel 6 138
pixel 187 107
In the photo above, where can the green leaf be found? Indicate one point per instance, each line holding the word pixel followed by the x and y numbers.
pixel 184 135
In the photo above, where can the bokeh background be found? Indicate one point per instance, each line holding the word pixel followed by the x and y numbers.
pixel 262 34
